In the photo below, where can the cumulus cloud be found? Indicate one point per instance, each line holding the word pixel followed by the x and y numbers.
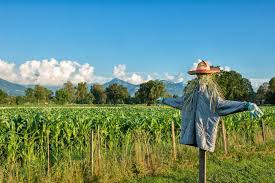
pixel 7 71
pixel 48 72
pixel 119 72
pixel 174 78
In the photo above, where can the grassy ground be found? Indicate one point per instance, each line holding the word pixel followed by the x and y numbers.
pixel 247 164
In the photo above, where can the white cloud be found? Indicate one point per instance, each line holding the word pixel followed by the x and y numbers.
pixel 174 78
pixel 7 71
pixel 119 72
pixel 257 82
pixel 225 68
pixel 51 72
pixel 48 72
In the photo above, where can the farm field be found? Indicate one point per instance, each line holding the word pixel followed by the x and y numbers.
pixel 126 144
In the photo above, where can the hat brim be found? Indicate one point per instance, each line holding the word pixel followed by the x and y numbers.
pixel 211 71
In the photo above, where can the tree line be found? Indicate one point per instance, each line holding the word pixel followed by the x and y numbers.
pixel 233 85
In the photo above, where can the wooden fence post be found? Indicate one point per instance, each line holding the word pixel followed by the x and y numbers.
pixel 202 166
pixel 263 130
pixel 224 137
pixel 48 153
pixel 174 141
pixel 91 151
pixel 98 148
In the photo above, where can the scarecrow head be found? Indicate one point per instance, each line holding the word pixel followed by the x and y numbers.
pixel 203 68
pixel 205 81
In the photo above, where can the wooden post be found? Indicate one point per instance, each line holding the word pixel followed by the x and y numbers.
pixel 263 130
pixel 174 141
pixel 251 131
pixel 202 166
pixel 98 148
pixel 224 137
pixel 91 151
pixel 48 153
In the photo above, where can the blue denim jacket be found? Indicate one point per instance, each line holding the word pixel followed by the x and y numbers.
pixel 199 122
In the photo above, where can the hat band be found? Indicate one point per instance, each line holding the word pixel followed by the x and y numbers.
pixel 204 69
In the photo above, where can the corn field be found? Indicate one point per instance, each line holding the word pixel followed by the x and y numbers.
pixel 103 144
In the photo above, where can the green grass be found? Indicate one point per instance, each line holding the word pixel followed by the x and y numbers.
pixel 251 164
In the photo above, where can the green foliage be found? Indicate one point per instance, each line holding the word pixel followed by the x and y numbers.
pixel 150 91
pixel 272 85
pixel 71 91
pixel 270 96
pixel 82 94
pixel 98 91
pixel 262 92
pixel 62 96
pixel 42 94
pixel 117 94
pixel 30 95
pixel 19 100
pixel 3 96
pixel 234 86
pixel 134 142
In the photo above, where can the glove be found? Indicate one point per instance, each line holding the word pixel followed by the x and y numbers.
pixel 255 111
pixel 160 100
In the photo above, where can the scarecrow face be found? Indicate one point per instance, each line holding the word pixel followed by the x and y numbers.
pixel 199 76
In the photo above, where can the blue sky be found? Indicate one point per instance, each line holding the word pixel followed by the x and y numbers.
pixel 146 36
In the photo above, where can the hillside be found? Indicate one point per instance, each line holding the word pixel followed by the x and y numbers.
pixel 171 87
pixel 12 88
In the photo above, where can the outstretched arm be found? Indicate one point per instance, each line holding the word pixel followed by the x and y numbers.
pixel 225 107
pixel 173 102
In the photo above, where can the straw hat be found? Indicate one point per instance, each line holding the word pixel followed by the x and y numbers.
pixel 204 68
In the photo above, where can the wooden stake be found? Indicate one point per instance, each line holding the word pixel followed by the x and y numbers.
pixel 263 130
pixel 91 151
pixel 48 152
pixel 98 148
pixel 202 166
pixel 174 141
pixel 251 131
pixel 224 137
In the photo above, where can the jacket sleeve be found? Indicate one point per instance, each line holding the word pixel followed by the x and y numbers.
pixel 174 102
pixel 225 107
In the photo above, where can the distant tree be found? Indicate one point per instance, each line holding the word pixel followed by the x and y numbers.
pixel 82 94
pixel 62 96
pixel 271 91
pixel 19 100
pixel 3 96
pixel 98 91
pixel 29 95
pixel 234 86
pixel 150 91
pixel 10 100
pixel 117 94
pixel 262 93
pixel 42 94
pixel 71 91
pixel 248 92
pixel 272 85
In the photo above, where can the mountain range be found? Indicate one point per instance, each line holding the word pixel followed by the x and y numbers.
pixel 19 90
pixel 12 88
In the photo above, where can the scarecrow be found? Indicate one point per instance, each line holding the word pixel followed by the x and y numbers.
pixel 201 107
